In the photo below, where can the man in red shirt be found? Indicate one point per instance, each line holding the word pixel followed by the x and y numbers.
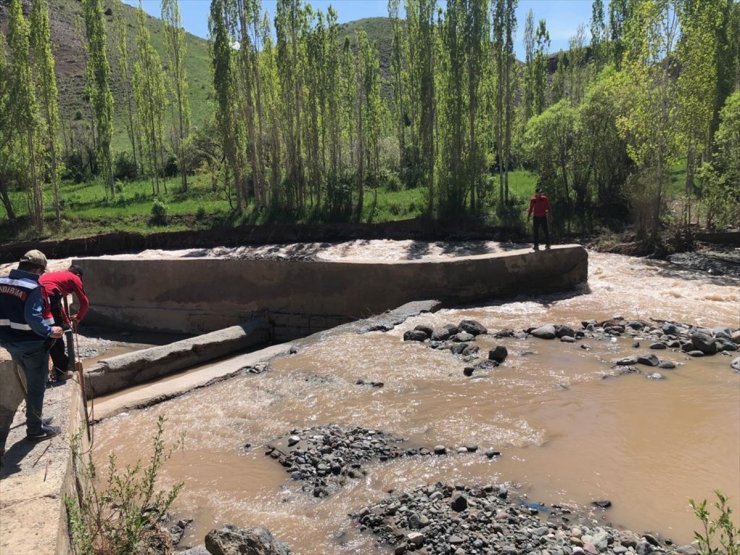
pixel 57 286
pixel 539 205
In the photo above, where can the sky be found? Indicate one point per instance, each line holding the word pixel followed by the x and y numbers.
pixel 562 16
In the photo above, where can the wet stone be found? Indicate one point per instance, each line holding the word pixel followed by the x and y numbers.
pixel 667 365
pixel 415 335
pixel 648 360
pixel 655 376
pixel 472 327
pixel 498 354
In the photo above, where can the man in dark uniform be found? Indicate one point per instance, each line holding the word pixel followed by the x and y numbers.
pixel 27 333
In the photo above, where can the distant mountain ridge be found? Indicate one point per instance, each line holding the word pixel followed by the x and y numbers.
pixel 65 18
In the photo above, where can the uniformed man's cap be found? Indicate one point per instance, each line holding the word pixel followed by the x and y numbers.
pixel 35 258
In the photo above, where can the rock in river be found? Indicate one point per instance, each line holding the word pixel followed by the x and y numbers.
pixel 473 327
pixel 499 354
pixel 415 335
pixel 735 364
pixel 545 332
pixel 648 360
pixel 704 342
pixel 231 540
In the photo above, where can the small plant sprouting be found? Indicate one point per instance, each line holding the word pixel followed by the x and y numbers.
pixel 123 516
pixel 721 530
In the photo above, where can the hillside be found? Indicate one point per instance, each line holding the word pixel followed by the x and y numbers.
pixel 66 26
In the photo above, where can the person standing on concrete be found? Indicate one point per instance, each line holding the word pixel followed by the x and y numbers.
pixel 27 333
pixel 57 286
pixel 539 205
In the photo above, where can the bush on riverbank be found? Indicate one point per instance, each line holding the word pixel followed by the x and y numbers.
pixel 124 514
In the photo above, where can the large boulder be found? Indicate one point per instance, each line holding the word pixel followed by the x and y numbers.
pixel 544 332
pixel 231 540
pixel 564 331
pixel 415 335
pixel 648 360
pixel 704 342
pixel 473 327
pixel 498 354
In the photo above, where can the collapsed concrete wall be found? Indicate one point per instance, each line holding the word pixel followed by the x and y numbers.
pixel 124 371
pixel 299 297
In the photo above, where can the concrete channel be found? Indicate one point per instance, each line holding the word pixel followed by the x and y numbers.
pixel 244 310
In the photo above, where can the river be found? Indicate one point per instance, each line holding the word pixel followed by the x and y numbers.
pixel 566 434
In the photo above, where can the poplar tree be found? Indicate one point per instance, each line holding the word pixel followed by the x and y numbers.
pixel 539 71
pixel 175 36
pixel 529 45
pixel 123 62
pixel 397 70
pixel 599 42
pixel 619 15
pixel 151 101
pixel 272 120
pixel 422 92
pixel 476 41
pixel 650 120
pixel 224 77
pixel 47 88
pixel 6 133
pixel 24 113
pixel 290 27
pixel 698 80
pixel 99 85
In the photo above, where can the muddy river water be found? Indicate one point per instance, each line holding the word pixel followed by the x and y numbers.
pixel 566 434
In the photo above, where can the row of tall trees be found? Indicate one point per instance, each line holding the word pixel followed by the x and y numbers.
pixel 29 113
pixel 303 125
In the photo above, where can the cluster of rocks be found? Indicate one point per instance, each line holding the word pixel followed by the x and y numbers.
pixel 462 520
pixel 459 340
pixel 659 335
pixel 231 540
pixel 326 456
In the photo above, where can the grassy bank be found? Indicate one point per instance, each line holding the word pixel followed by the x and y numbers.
pixel 87 211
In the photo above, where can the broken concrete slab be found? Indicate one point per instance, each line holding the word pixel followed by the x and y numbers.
pixel 124 371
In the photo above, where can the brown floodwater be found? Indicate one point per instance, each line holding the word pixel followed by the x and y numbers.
pixel 566 434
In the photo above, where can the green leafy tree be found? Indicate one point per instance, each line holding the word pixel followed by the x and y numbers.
pixel 123 63
pixel 98 71
pixel 151 101
pixel 175 35
pixel 224 79
pixel 650 122
pixel 6 134
pixel 46 85
pixel 599 39
pixel 24 114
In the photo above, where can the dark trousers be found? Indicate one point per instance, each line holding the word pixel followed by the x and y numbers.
pixel 32 357
pixel 58 352
pixel 540 222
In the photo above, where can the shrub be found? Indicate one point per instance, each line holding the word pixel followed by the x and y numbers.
pixel 200 214
pixel 722 530
pixel 125 516
pixel 159 213
pixel 124 167
pixel 171 167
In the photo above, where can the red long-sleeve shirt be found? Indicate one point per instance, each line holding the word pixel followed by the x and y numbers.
pixel 539 205
pixel 65 283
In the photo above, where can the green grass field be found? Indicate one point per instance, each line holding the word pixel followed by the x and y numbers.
pixel 87 211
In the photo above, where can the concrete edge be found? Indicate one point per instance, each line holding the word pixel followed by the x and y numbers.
pixel 171 387
pixel 130 369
